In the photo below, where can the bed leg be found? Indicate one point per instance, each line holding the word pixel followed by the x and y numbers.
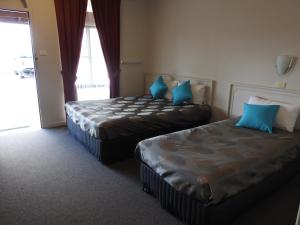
pixel 146 189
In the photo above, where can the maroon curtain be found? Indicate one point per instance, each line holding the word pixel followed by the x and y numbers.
pixel 107 19
pixel 70 16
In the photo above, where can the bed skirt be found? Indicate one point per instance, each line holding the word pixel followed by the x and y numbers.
pixel 105 151
pixel 109 151
pixel 193 212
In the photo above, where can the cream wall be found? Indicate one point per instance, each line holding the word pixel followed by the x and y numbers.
pixel 11 4
pixel 45 37
pixel 134 28
pixel 229 41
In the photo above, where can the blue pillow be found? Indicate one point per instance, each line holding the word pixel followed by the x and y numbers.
pixel 158 89
pixel 260 117
pixel 182 93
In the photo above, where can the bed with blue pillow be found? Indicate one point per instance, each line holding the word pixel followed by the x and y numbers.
pixel 110 129
pixel 210 174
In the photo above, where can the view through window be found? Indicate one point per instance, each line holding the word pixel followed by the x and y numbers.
pixel 92 79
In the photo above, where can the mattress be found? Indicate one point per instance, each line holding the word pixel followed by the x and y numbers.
pixel 218 161
pixel 134 116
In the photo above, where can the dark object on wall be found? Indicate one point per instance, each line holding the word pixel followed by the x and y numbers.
pixel 107 18
pixel 70 16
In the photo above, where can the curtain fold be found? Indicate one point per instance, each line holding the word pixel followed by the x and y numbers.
pixel 107 19
pixel 70 15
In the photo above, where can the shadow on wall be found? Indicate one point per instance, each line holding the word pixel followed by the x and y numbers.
pixel 218 114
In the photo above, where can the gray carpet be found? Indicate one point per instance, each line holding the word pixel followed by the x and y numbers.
pixel 46 177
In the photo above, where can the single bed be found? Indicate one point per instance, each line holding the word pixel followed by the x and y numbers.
pixel 110 129
pixel 208 175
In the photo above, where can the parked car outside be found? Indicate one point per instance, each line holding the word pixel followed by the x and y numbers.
pixel 24 66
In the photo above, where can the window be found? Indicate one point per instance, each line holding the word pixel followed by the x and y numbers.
pixel 92 79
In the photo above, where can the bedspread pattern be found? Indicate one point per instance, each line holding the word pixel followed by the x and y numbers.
pixel 216 161
pixel 126 116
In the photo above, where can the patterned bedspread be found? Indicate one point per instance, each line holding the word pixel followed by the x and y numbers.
pixel 218 160
pixel 127 116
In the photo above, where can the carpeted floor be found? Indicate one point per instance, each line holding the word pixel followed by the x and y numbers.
pixel 46 177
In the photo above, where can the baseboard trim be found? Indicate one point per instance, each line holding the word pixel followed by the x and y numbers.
pixel 54 124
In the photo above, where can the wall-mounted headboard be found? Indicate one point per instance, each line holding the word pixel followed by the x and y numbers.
pixel 149 78
pixel 240 93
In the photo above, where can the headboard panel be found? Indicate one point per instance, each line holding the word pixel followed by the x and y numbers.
pixel 240 93
pixel 149 78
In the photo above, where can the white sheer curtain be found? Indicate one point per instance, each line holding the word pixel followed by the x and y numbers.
pixel 92 78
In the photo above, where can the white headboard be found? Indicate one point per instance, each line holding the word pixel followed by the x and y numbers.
pixel 240 93
pixel 149 78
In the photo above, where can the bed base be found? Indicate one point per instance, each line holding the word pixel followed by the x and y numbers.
pixel 194 212
pixel 105 151
pixel 110 151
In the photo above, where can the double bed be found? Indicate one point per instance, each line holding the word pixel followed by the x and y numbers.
pixel 110 129
pixel 208 175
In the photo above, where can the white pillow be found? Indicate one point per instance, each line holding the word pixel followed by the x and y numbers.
pixel 198 92
pixel 287 115
pixel 171 84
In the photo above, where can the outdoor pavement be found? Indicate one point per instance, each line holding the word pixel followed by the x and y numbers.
pixel 18 102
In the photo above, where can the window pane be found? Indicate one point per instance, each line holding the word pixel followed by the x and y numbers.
pixel 92 78
pixel 84 44
pixel 89 7
pixel 99 69
pixel 84 71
